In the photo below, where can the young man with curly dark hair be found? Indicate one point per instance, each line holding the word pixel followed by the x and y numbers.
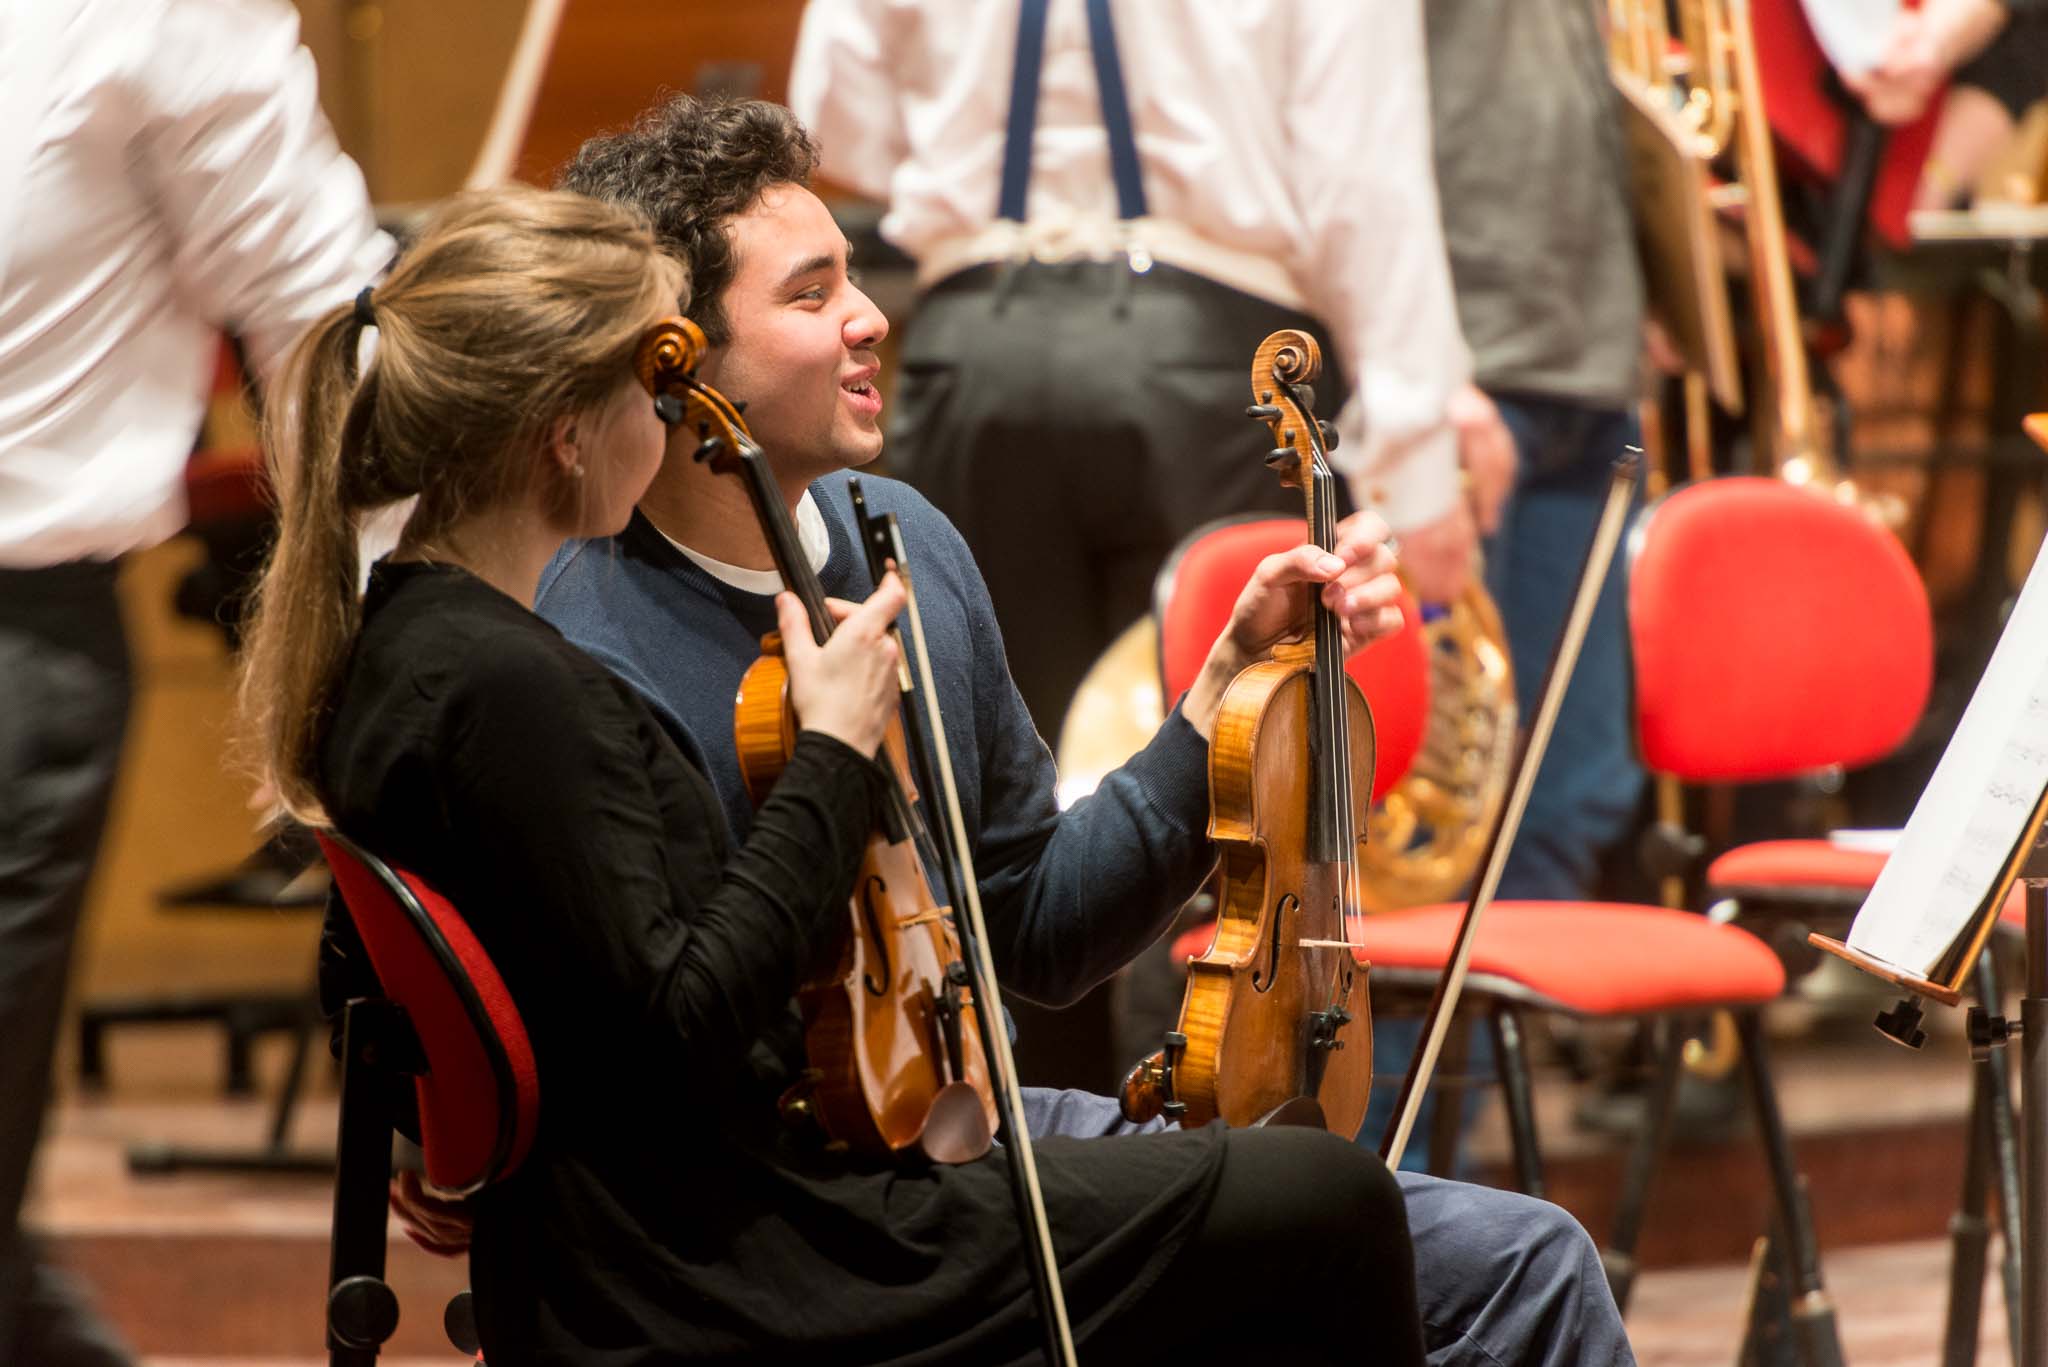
pixel 677 603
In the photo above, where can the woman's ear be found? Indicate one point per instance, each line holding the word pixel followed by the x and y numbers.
pixel 563 447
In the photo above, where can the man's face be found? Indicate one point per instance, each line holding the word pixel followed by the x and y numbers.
pixel 801 352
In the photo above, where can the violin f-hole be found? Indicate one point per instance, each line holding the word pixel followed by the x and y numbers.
pixel 872 892
pixel 1263 978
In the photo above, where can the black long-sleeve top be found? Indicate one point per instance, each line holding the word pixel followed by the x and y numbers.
pixel 665 1212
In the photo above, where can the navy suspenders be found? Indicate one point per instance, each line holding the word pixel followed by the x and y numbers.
pixel 1023 122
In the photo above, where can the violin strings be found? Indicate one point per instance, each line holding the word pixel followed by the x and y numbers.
pixel 1330 662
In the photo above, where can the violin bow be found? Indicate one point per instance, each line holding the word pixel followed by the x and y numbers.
pixel 882 538
pixel 1564 656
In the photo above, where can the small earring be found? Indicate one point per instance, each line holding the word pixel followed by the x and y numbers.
pixel 576 472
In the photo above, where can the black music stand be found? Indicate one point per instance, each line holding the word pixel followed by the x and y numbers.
pixel 1989 1031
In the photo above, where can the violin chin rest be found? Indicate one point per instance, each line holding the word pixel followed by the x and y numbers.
pixel 1296 1110
pixel 956 1127
pixel 1141 1098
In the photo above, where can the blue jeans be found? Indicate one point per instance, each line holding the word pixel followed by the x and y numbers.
pixel 1587 789
pixel 1504 1280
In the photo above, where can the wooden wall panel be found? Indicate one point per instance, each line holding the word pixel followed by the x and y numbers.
pixel 613 57
pixel 427 74
pixel 410 85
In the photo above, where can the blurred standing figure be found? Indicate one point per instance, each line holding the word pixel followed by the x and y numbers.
pixel 1541 235
pixel 1996 51
pixel 1540 230
pixel 1110 205
pixel 164 170
pixel 1924 45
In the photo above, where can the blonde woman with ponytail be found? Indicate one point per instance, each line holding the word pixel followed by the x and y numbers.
pixel 439 723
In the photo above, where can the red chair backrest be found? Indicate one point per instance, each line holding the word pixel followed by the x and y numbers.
pixel 1200 584
pixel 479 1098
pixel 1775 632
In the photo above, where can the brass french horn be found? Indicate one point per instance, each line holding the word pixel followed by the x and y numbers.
pixel 1425 838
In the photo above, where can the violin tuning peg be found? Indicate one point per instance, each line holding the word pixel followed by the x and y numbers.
pixel 1329 435
pixel 739 406
pixel 669 409
pixel 1264 412
pixel 709 448
pixel 1281 456
pixel 1305 395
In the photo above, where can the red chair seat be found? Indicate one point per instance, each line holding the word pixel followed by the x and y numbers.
pixel 1795 864
pixel 1587 958
pixel 1791 865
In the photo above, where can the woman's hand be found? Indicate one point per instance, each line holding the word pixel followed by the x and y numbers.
pixel 846 688
pixel 436 1221
pixel 1355 580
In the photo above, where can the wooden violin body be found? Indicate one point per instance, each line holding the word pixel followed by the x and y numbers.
pixel 1275 1026
pixel 896 1057
pixel 1292 1022
pixel 896 1053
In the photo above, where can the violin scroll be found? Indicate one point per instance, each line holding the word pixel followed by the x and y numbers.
pixel 1289 356
pixel 665 361
pixel 1282 369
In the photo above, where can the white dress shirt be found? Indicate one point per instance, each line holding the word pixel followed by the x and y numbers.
pixel 164 170
pixel 1296 132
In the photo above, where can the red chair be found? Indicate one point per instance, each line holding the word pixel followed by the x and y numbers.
pixel 1199 585
pixel 1856 683
pixel 1583 960
pixel 447 1022
pixel 1747 570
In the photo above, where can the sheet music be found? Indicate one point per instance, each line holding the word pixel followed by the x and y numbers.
pixel 1966 829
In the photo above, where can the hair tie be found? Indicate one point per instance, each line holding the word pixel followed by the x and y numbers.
pixel 366 313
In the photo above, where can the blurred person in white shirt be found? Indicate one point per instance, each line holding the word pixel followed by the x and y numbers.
pixel 165 173
pixel 1109 208
pixel 1073 385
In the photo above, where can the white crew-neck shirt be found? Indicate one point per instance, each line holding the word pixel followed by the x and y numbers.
pixel 811 535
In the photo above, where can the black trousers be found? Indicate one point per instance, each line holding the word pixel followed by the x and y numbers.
pixel 1303 1257
pixel 64 673
pixel 1076 421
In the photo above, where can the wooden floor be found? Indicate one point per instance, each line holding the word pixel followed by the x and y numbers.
pixel 230 1270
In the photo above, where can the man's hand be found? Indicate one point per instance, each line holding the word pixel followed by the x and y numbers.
pixel 1355 580
pixel 1436 557
pixel 439 1224
pixel 1662 351
pixel 1486 450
